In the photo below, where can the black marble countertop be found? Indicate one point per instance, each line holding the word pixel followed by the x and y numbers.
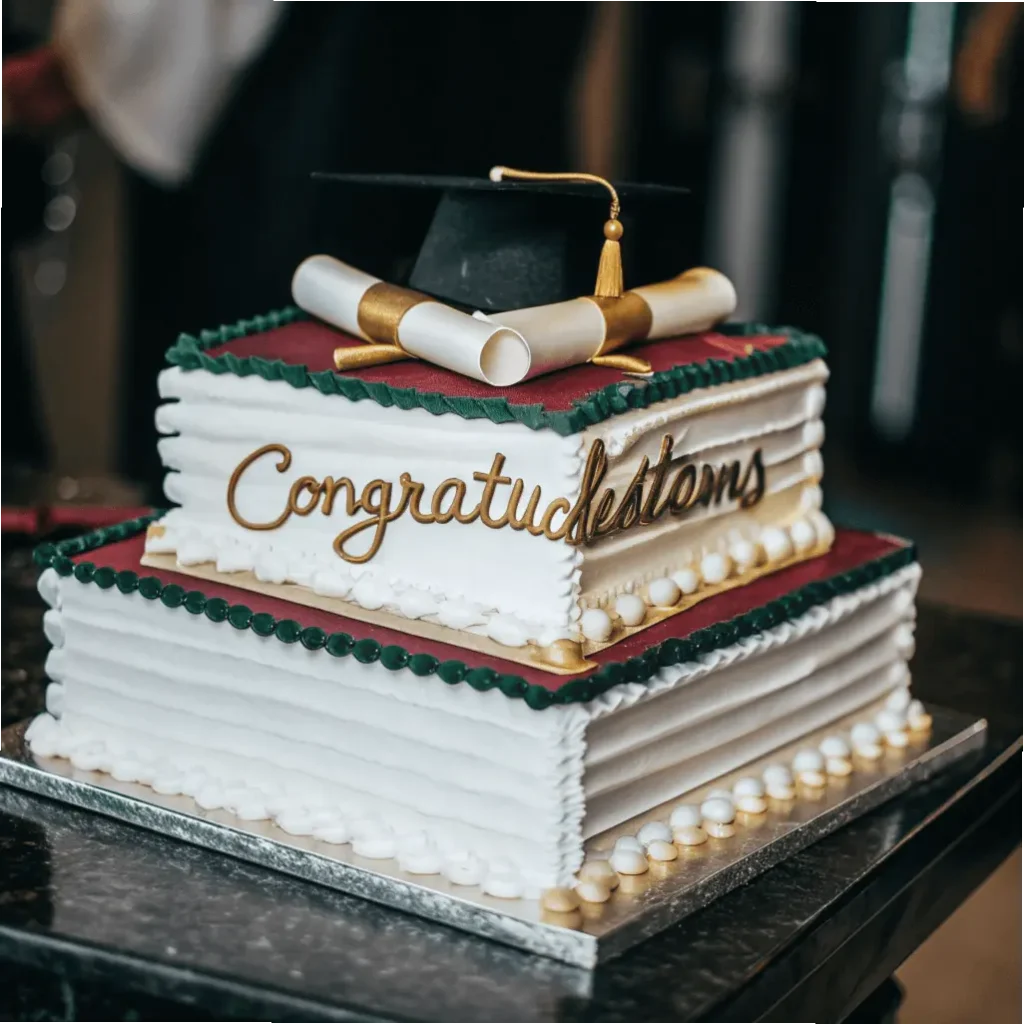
pixel 100 920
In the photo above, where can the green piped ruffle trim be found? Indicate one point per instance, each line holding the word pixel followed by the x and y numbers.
pixel 394 657
pixel 190 353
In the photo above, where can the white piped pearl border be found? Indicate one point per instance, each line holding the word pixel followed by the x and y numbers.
pixel 772 545
pixel 691 824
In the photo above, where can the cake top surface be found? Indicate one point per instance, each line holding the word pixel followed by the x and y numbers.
pixel 291 348
pixel 111 557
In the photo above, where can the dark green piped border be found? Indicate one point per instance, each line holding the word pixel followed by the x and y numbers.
pixel 674 651
pixel 190 353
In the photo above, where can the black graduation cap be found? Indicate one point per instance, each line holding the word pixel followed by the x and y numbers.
pixel 498 245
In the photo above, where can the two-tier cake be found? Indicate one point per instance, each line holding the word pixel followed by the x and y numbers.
pixel 469 627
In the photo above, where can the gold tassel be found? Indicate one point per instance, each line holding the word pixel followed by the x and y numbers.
pixel 609 271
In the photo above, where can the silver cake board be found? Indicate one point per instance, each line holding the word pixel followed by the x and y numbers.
pixel 641 906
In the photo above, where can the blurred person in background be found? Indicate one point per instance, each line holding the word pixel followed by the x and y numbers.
pixel 220 109
pixel 153 78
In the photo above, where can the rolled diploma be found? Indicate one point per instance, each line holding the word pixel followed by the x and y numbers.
pixel 694 301
pixel 488 352
pixel 332 291
pixel 560 334
pixel 568 333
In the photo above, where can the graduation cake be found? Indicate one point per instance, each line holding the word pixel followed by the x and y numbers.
pixel 475 571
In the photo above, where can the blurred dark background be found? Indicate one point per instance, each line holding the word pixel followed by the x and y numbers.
pixel 846 175
pixel 856 170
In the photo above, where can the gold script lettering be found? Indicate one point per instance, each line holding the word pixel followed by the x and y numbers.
pixel 380 516
pixel 305 483
pixel 671 486
pixel 283 463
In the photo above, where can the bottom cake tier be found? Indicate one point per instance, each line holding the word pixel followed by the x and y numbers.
pixel 457 763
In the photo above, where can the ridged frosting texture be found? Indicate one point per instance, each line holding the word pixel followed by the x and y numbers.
pixel 471 783
pixel 505 584
pixel 650 743
pixel 451 569
pixel 778 414
pixel 293 731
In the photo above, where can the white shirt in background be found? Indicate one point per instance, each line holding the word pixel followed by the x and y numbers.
pixel 154 75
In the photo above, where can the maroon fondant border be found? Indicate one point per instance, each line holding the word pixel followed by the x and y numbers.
pixel 856 560
pixel 852 549
pixel 311 344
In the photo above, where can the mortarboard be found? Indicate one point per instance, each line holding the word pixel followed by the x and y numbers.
pixel 480 244
pixel 500 283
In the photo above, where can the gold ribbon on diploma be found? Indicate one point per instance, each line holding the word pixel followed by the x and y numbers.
pixel 627 319
pixel 380 312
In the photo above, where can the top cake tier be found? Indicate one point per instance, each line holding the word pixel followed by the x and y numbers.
pixel 518 514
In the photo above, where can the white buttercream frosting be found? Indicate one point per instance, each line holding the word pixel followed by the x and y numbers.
pixel 684 815
pixel 409 767
pixel 630 609
pixel 433 571
pixel 740 703
pixel 720 810
pixel 687 580
pixel 596 624
pixel 654 831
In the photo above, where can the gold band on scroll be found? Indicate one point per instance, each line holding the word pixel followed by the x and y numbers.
pixel 381 310
pixel 626 319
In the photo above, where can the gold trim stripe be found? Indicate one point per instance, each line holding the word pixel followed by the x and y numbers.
pixel 381 310
pixel 627 318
